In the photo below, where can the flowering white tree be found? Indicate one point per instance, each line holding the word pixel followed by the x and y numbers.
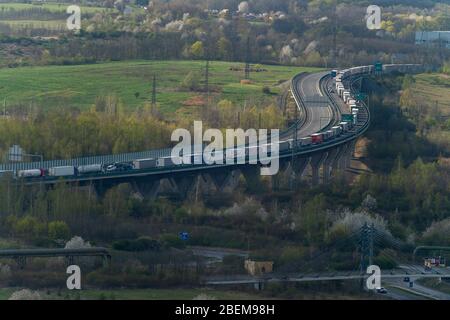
pixel 353 221
pixel 249 206
pixel 369 203
pixel 25 294
pixel 438 233
pixel 176 25
pixel 243 7
pixel 77 243
pixel 286 54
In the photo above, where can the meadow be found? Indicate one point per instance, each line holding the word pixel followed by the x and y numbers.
pixel 435 88
pixel 131 81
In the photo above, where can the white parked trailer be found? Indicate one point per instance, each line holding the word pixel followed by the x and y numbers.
pixel 336 130
pixel 345 126
pixel 61 171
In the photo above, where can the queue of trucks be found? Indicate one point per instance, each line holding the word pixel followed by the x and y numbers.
pixel 248 153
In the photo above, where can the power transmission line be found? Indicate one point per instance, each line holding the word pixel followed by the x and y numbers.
pixel 247 60
pixel 153 94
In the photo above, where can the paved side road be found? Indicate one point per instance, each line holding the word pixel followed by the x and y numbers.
pixel 420 290
pixel 216 253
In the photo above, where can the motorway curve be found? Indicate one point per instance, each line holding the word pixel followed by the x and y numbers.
pixel 319 113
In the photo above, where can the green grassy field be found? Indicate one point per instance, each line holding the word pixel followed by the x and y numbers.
pixel 434 88
pixel 131 81
pixel 5 293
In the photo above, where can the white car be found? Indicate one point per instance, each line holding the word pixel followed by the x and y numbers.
pixel 381 290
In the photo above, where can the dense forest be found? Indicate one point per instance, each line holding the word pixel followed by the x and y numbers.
pixel 286 32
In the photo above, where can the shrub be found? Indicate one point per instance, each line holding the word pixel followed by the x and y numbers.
pixel 438 233
pixel 191 82
pixel 172 241
pixel 58 230
pixel 266 90
pixel 141 244
pixel 29 227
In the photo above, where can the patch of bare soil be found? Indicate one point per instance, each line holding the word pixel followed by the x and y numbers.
pixel 195 101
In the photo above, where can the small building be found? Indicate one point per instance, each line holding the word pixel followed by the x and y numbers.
pixel 433 37
pixel 258 268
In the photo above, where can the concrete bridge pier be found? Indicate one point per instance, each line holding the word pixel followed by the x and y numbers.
pixel 349 154
pixel 183 185
pixel 148 188
pixel 280 178
pixel 316 162
pixel 336 164
pixel 252 175
pixel 298 168
pixel 225 180
pixel 342 161
pixel 327 164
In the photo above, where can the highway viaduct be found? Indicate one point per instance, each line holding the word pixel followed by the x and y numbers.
pixel 319 107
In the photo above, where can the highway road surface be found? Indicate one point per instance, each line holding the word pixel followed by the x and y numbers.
pixel 319 112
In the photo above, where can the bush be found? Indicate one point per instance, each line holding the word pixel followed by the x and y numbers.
pixel 191 82
pixel 58 230
pixel 386 259
pixel 172 241
pixel 141 244
pixel 29 227
pixel 438 233
pixel 266 90
pixel 180 214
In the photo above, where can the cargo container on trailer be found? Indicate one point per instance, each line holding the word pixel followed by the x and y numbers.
pixel 336 130
pixel 316 138
pixel 141 164
pixel 165 162
pixel 62 171
pixel 30 173
pixel 90 168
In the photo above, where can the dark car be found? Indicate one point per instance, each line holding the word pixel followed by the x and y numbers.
pixel 119 166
